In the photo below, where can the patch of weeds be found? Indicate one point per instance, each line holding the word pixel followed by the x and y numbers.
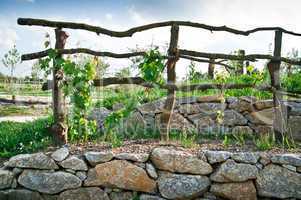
pixel 265 142
pixel 226 141
pixel 186 139
pixel 16 138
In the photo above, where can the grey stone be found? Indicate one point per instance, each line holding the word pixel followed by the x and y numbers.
pixel 246 157
pixel 89 193
pixel 210 108
pixel 189 109
pixel 121 195
pixel 136 157
pixel 99 115
pixel 232 118
pixel 230 171
pixel 179 161
pixel 263 117
pixel 246 130
pixel 178 122
pixel 149 197
pixel 178 186
pixel 16 171
pixel 287 159
pixel 95 158
pixel 92 179
pixel 74 163
pixel 6 179
pixel 235 191
pixel 152 107
pixel 264 104
pixel 290 167
pixel 265 158
pixel 217 156
pixel 210 99
pixel 241 104
pixel 124 175
pixel 60 154
pixel 81 175
pixel 48 182
pixel 298 169
pixel 294 127
pixel 151 171
pixel 19 194
pixel 294 108
pixel 135 122
pixel 35 161
pixel 278 182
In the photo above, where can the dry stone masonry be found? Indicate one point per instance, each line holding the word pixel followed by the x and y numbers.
pixel 200 114
pixel 165 173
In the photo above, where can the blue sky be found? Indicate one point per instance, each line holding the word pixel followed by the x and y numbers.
pixel 123 14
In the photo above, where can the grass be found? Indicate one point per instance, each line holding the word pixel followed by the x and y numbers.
pixel 16 138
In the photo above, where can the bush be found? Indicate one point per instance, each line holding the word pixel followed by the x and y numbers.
pixel 16 138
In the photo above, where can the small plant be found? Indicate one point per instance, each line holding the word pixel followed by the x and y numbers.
pixel 226 141
pixel 265 142
pixel 187 140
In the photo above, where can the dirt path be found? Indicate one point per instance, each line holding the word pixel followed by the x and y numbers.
pixel 20 118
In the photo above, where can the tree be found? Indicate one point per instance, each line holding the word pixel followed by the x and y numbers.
pixel 10 60
pixel 36 71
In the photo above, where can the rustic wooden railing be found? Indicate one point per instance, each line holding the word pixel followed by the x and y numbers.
pixel 174 53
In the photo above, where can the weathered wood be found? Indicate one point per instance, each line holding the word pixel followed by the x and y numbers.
pixel 280 114
pixel 186 54
pixel 44 53
pixel 22 102
pixel 250 57
pixel 130 32
pixel 168 108
pixel 211 67
pixel 240 67
pixel 59 127
pixel 212 61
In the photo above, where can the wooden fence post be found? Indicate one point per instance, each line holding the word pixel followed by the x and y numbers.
pixel 171 78
pixel 59 127
pixel 280 114
pixel 211 67
pixel 240 69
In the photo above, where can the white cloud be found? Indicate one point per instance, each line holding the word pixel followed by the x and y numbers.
pixel 8 37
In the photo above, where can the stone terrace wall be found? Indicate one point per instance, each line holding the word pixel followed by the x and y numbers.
pixel 165 173
pixel 241 115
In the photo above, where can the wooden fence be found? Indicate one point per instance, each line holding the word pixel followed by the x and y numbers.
pixel 173 55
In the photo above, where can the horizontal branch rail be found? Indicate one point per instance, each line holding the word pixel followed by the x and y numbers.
pixel 130 32
pixel 184 88
pixel 187 54
pixel 44 53
pixel 207 61
pixel 251 57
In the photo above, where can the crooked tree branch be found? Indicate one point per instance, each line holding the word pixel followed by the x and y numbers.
pixel 250 57
pixel 130 32
pixel 183 53
pixel 184 88
pixel 208 61
pixel 44 53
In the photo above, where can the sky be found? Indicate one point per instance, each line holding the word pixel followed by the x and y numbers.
pixel 123 14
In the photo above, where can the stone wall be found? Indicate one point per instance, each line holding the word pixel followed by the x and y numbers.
pixel 201 115
pixel 165 173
